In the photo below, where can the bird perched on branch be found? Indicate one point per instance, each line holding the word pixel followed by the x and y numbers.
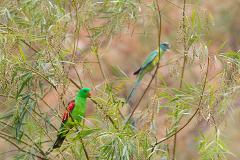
pixel 148 65
pixel 75 113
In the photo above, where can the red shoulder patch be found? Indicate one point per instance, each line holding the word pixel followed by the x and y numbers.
pixel 69 109
pixel 65 116
pixel 71 106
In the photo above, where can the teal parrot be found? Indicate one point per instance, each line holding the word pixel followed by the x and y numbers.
pixel 147 66
pixel 75 112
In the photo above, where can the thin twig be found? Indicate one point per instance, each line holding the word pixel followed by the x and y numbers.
pixel 78 76
pixel 20 149
pixel 35 144
pixel 183 70
pixel 38 123
pixel 191 118
pixel 96 53
pixel 7 96
pixel 100 65
pixel 84 149
pixel 42 76
pixel 108 116
pixel 53 110
pixel 179 7
pixel 73 82
pixel 26 43
pixel 184 45
pixel 14 138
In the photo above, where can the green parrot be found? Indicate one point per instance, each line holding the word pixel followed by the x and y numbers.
pixel 75 112
pixel 147 66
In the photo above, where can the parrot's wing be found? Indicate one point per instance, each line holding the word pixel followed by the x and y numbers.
pixel 70 107
pixel 149 59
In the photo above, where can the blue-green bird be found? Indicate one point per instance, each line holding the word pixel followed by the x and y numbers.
pixel 148 65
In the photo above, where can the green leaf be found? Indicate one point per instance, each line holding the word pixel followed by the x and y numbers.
pixel 85 132
pixel 233 55
pixel 7 114
pixel 21 113
pixel 118 72
pixel 26 78
pixel 22 54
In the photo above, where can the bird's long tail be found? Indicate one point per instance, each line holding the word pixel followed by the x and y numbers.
pixel 59 141
pixel 139 78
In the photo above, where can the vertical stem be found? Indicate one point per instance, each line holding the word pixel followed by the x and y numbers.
pixel 100 65
pixel 95 50
pixel 183 70
pixel 84 149
pixel 19 148
pixel 79 79
pixel 184 44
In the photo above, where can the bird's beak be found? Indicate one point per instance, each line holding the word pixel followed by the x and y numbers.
pixel 169 46
pixel 89 95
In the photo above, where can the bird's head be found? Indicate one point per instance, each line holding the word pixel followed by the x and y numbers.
pixel 84 92
pixel 165 46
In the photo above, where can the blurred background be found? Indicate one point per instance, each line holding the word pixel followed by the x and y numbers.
pixel 94 46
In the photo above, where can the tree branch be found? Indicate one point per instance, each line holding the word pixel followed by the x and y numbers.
pixel 191 118
pixel 20 149
pixel 183 69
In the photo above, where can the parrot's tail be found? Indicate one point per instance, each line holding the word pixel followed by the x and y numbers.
pixel 133 89
pixel 59 141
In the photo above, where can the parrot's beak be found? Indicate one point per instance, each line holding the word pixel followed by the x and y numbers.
pixel 89 95
pixel 169 46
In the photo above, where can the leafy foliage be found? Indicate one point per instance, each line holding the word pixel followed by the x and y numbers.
pixel 48 47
